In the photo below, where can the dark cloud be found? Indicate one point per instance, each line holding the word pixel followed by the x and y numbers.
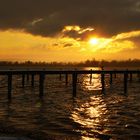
pixel 68 45
pixel 108 17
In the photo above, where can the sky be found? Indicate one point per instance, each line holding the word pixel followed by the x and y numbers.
pixel 69 30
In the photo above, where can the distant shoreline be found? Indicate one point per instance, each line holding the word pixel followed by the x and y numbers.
pixel 87 63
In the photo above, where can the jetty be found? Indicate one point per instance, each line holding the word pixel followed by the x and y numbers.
pixel 74 73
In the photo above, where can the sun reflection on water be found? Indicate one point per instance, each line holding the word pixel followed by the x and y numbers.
pixel 90 112
pixel 91 116
pixel 91 81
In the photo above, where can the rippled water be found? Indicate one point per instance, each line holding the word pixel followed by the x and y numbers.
pixel 91 115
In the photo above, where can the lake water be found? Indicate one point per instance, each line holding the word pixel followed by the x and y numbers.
pixel 90 116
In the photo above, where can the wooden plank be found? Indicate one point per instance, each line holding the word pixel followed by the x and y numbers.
pixel 16 72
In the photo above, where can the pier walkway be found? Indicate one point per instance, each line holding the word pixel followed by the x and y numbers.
pixel 73 73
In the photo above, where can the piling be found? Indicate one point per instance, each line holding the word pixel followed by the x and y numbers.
pixel 125 82
pixel 111 79
pixel 9 86
pixel 74 83
pixel 27 77
pixel 131 77
pixel 41 84
pixel 32 79
pixel 138 75
pixel 103 82
pixel 66 77
pixel 60 76
pixel 90 81
pixel 23 80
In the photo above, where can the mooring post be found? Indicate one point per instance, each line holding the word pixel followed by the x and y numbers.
pixel 130 77
pixel 27 77
pixel 90 77
pixel 23 80
pixel 138 75
pixel 32 80
pixel 115 75
pixel 103 82
pixel 41 84
pixel 9 86
pixel 74 83
pixel 125 82
pixel 111 79
pixel 60 76
pixel 66 76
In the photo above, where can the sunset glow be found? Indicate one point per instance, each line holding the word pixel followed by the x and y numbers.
pixel 94 41
pixel 21 46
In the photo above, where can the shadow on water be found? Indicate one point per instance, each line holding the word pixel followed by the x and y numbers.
pixel 91 115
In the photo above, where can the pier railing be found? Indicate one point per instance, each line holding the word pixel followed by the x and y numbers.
pixel 74 73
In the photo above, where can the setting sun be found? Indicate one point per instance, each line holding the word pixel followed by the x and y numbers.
pixel 94 41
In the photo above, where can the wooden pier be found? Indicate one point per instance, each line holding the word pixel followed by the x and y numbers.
pixel 26 74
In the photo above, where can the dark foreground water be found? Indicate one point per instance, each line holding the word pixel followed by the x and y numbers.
pixel 90 116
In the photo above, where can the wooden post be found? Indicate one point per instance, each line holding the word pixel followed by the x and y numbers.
pixel 125 82
pixel 66 76
pixel 27 77
pixel 32 80
pixel 74 83
pixel 90 77
pixel 23 80
pixel 103 82
pixel 41 84
pixel 138 75
pixel 115 75
pixel 130 77
pixel 60 77
pixel 9 86
pixel 111 81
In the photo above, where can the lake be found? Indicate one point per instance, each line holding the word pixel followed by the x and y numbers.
pixel 90 116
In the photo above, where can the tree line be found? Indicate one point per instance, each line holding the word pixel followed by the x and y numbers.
pixel 87 63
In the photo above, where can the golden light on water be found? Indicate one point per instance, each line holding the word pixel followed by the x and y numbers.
pixel 91 82
pixel 90 113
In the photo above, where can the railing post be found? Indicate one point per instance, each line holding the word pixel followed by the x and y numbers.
pixel 23 80
pixel 41 84
pixel 125 82
pixel 9 86
pixel 74 83
pixel 103 82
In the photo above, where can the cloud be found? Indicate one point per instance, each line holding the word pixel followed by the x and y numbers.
pixel 50 17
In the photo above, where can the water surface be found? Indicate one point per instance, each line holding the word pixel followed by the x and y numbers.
pixel 91 115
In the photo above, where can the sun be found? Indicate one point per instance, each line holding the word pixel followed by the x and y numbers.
pixel 93 41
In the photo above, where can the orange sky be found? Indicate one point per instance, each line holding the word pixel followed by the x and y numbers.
pixel 69 30
pixel 20 46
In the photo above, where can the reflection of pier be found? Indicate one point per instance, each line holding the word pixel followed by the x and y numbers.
pixel 42 73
